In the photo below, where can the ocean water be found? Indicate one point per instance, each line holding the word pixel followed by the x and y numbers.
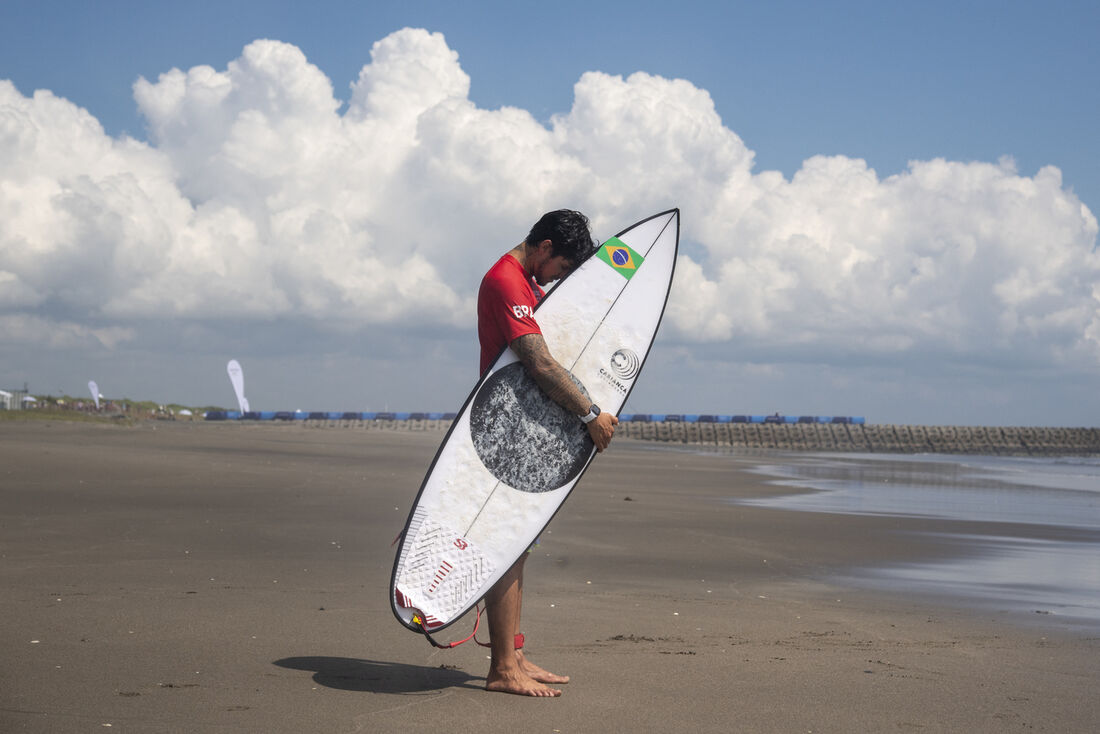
pixel 1031 545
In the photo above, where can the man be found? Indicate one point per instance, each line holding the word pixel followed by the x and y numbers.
pixel 511 289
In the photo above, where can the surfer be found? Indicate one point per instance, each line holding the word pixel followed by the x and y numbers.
pixel 509 292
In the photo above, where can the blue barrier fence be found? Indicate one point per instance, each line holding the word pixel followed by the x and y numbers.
pixel 299 415
pixel 704 418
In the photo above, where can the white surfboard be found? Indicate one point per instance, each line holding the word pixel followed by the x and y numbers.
pixel 512 455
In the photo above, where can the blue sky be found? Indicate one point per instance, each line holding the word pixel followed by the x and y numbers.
pixel 885 81
pixel 1001 91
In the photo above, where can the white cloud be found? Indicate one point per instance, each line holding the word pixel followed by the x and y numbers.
pixel 946 257
pixel 261 196
pixel 20 330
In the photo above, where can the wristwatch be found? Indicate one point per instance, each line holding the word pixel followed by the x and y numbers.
pixel 593 411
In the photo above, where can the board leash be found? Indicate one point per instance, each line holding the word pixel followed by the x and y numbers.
pixel 518 641
pixel 450 645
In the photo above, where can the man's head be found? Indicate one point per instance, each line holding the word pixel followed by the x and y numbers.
pixel 568 233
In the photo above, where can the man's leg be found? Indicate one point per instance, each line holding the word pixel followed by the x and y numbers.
pixel 506 670
pixel 539 674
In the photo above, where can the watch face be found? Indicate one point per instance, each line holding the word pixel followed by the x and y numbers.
pixel 594 409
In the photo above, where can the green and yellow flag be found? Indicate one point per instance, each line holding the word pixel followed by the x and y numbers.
pixel 618 255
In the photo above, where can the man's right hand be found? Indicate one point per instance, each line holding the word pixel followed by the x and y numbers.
pixel 602 428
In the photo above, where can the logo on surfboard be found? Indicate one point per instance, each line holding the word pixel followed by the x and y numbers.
pixel 619 256
pixel 625 363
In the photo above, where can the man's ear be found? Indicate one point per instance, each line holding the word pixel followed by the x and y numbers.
pixel 546 246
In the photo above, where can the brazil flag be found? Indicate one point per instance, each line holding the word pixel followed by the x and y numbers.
pixel 618 255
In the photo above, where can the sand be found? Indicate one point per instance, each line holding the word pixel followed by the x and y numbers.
pixel 198 577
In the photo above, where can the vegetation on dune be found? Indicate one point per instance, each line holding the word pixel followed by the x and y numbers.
pixel 122 411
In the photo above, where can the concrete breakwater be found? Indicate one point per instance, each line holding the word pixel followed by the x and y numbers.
pixel 871 438
pixel 863 438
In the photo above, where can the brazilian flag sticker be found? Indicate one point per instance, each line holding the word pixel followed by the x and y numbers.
pixel 618 255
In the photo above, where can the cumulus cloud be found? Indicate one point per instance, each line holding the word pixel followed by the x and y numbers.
pixel 947 258
pixel 262 195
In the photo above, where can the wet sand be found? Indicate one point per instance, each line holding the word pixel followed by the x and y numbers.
pixel 226 577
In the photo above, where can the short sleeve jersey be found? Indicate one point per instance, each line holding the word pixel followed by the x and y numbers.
pixel 505 307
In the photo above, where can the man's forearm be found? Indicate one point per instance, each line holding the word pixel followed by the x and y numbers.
pixel 549 375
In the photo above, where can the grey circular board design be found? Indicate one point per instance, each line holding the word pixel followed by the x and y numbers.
pixel 524 438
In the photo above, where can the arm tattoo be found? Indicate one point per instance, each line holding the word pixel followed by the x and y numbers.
pixel 548 374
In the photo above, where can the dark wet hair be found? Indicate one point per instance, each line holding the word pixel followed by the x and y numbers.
pixel 568 233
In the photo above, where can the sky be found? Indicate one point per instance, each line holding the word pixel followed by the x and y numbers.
pixel 888 210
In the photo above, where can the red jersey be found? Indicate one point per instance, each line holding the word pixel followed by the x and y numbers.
pixel 505 307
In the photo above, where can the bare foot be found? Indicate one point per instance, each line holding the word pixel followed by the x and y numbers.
pixel 520 684
pixel 537 673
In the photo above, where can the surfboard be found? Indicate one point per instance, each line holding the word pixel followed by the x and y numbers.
pixel 512 456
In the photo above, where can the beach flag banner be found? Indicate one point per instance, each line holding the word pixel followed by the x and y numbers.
pixel 618 255
pixel 236 376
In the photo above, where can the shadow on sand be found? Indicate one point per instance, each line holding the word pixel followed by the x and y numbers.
pixel 351 674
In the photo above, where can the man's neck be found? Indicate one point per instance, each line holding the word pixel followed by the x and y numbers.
pixel 519 252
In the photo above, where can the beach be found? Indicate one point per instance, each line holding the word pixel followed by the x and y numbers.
pixel 217 577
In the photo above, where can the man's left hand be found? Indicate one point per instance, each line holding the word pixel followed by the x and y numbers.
pixel 602 428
